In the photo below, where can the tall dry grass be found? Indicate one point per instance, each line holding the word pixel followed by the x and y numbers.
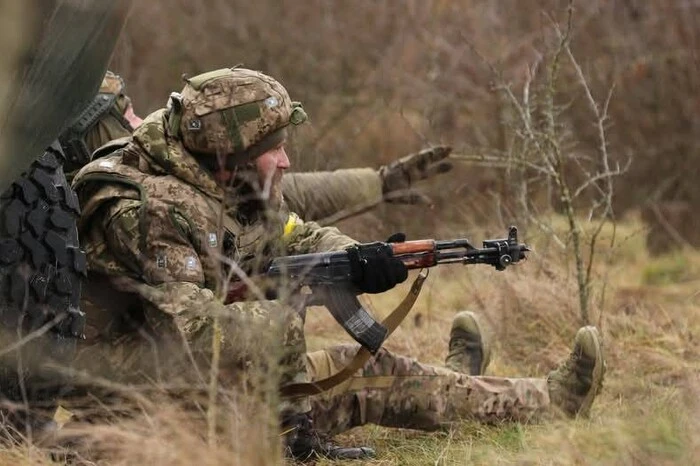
pixel 648 409
pixel 531 312
pixel 646 414
pixel 380 79
pixel 164 433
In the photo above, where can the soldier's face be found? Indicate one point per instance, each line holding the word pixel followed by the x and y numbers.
pixel 270 167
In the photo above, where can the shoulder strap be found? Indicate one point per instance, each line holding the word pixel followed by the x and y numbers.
pixel 391 322
pixel 232 226
pixel 111 147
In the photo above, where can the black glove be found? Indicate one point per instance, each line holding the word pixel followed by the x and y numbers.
pixel 397 238
pixel 373 267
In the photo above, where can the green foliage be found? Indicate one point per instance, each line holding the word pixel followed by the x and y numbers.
pixel 670 269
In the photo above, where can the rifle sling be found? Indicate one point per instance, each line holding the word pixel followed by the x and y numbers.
pixel 391 322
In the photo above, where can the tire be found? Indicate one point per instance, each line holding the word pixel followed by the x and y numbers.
pixel 41 269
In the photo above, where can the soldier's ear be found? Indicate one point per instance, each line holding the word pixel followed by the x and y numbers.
pixel 174 108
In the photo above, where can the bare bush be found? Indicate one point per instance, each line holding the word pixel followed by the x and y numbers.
pixel 546 168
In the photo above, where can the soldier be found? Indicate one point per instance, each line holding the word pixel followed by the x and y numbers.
pixel 109 116
pixel 193 199
pixel 346 192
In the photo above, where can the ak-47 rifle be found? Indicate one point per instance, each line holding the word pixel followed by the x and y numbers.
pixel 329 277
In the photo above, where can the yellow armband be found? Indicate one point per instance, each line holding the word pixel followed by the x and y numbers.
pixel 293 221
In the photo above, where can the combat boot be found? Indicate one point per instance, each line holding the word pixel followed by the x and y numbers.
pixel 574 385
pixel 304 443
pixel 470 348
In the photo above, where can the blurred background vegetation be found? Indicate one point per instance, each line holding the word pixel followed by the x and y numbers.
pixel 384 78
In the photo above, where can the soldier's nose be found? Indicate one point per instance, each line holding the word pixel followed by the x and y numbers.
pixel 282 159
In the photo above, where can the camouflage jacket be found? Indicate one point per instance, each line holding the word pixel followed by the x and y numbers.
pixel 325 196
pixel 152 225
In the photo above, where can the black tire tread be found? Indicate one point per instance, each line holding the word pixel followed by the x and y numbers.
pixel 39 247
pixel 41 269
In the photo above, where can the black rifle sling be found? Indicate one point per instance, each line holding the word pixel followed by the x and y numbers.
pixel 391 322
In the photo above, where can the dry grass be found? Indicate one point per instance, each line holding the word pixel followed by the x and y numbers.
pixel 383 78
pixel 646 414
pixel 648 409
pixel 167 435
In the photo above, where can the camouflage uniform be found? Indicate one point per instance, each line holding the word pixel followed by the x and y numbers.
pixel 312 196
pixel 151 232
pixel 398 391
pixel 321 196
pixel 155 242
pixel 352 188
pixel 332 196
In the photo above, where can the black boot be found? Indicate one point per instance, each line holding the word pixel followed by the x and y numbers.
pixel 304 443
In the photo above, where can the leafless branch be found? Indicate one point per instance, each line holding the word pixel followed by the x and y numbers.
pixel 592 180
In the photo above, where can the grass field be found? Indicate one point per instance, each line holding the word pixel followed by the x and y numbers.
pixel 647 413
pixel 648 410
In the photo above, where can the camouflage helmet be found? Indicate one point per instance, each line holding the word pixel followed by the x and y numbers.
pixel 236 112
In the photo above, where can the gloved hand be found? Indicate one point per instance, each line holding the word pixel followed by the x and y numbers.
pixel 397 238
pixel 398 177
pixel 373 267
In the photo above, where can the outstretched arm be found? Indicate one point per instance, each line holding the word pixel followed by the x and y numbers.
pixel 321 195
pixel 327 197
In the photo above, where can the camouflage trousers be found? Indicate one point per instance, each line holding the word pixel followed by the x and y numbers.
pixel 398 391
pixel 262 344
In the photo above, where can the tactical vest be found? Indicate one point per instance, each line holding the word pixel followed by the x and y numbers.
pixel 122 174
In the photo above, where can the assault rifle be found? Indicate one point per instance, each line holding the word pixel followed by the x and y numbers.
pixel 328 274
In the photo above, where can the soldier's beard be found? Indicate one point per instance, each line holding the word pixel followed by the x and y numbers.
pixel 254 194
pixel 270 190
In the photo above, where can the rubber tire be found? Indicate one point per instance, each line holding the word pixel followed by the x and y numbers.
pixel 41 270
